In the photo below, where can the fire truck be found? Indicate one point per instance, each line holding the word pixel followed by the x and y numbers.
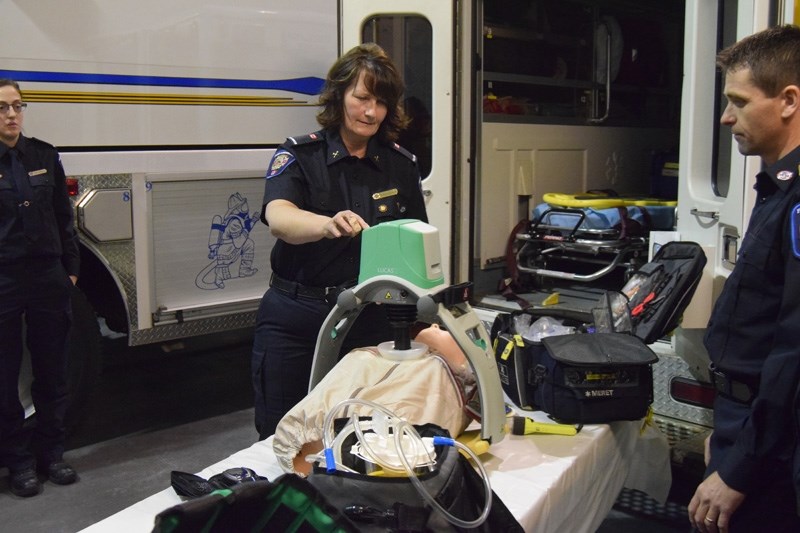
pixel 167 113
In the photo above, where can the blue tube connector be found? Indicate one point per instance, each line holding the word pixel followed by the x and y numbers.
pixel 330 462
pixel 443 441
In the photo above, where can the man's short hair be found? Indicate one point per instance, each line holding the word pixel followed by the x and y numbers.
pixel 772 55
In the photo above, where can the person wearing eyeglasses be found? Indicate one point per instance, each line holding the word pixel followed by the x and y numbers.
pixel 39 265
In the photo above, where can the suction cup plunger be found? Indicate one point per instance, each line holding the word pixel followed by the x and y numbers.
pixel 401 318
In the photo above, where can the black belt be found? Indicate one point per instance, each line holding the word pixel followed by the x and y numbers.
pixel 732 388
pixel 294 289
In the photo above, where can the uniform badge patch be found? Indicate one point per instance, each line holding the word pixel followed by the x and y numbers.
pixel 784 175
pixel 796 231
pixel 280 161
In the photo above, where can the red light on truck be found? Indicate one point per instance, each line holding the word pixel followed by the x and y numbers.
pixel 72 186
pixel 692 392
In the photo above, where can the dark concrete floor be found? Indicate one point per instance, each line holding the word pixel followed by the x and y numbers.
pixel 150 412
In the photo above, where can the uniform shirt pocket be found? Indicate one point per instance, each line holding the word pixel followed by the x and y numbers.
pixel 8 198
pixel 759 259
pixel 760 281
pixel 387 209
pixel 323 202
pixel 6 183
pixel 40 178
pixel 42 183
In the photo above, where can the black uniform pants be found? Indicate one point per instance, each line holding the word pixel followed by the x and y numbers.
pixel 37 292
pixel 770 504
pixel 283 350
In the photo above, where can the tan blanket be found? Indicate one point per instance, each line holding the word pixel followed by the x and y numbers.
pixel 421 391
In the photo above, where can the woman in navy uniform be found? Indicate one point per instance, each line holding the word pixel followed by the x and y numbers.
pixel 753 337
pixel 39 262
pixel 321 190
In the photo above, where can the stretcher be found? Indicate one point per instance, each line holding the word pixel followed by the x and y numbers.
pixel 585 237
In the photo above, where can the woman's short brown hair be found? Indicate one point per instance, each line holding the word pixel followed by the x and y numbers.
pixel 381 78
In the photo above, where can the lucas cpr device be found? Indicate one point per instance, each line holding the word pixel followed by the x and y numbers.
pixel 401 268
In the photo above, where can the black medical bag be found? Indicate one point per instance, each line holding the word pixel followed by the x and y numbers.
pixel 595 377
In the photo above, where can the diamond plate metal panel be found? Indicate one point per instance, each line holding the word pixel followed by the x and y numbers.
pixel 119 257
pixel 193 328
pixel 667 367
pixel 102 181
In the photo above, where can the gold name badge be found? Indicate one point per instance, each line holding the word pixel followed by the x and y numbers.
pixel 37 172
pixel 384 194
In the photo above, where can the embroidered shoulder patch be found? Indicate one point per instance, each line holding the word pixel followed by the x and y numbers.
pixel 280 161
pixel 796 231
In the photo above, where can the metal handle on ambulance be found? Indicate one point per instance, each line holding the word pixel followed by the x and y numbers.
pixel 600 120
pixel 713 215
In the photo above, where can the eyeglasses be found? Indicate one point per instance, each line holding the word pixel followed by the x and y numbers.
pixel 18 107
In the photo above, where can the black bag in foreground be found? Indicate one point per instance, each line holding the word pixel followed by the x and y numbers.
pixel 342 502
pixel 385 503
pixel 289 504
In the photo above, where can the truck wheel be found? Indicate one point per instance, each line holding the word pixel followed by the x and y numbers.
pixel 83 362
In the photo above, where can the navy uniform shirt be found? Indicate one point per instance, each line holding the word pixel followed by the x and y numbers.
pixel 754 331
pixel 316 173
pixel 50 226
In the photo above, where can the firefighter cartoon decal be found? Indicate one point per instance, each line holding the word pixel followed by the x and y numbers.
pixel 229 246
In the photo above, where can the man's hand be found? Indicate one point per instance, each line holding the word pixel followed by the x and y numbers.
pixel 713 504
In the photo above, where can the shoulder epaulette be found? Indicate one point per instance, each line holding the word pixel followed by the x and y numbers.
pixel 405 152
pixel 40 142
pixel 306 139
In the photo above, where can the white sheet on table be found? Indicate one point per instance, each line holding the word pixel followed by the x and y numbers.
pixel 550 483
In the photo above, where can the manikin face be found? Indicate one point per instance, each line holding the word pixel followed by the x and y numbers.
pixel 755 119
pixel 10 121
pixel 363 112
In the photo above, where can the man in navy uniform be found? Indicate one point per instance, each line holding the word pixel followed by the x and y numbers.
pixel 753 337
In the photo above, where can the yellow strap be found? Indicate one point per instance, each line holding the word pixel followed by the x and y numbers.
pixel 602 201
pixel 507 350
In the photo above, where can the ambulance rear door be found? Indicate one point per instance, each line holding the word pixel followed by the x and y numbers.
pixel 715 194
pixel 411 32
